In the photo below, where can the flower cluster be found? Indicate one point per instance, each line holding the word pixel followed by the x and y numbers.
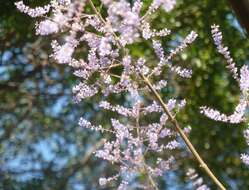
pixel 236 117
pixel 243 78
pixel 245 157
pixel 149 33
pixel 36 12
pixel 217 37
pixel 196 180
pixel 183 72
pixel 134 141
pixel 167 5
pixel 107 67
pixel 123 25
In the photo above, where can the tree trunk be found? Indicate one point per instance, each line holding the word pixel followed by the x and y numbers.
pixel 241 9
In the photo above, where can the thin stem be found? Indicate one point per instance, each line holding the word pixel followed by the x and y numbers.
pixel 104 22
pixel 137 123
pixel 92 150
pixel 117 76
pixel 147 173
pixel 97 12
pixel 148 12
pixel 182 134
pixel 152 182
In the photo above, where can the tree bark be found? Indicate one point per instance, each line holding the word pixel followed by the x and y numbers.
pixel 241 9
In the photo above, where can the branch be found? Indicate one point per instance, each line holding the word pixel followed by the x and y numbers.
pixel 182 134
pixel 71 170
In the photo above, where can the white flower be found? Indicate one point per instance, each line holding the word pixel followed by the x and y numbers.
pixel 102 181
pixel 47 27
pixel 168 5
pixel 63 54
pixel 104 47
pixel 245 158
pixel 244 78
pixel 36 12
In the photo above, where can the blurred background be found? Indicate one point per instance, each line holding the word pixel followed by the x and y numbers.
pixel 43 148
